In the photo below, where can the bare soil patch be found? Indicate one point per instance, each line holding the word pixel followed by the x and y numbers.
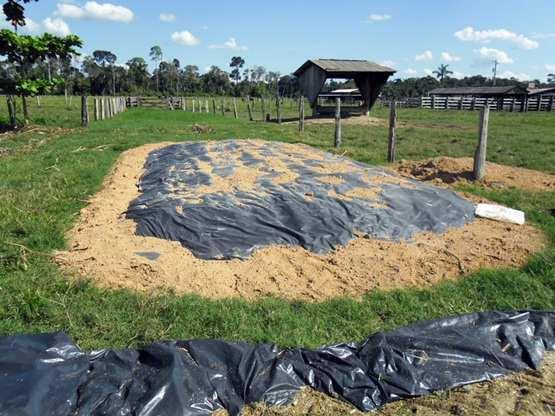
pixel 448 170
pixel 523 394
pixel 353 121
pixel 104 247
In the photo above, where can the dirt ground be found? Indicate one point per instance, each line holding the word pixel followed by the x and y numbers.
pixel 524 394
pixel 352 121
pixel 104 247
pixel 448 170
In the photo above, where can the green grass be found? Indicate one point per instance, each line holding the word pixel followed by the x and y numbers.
pixel 45 179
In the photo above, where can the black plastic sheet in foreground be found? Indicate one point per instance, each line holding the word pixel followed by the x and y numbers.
pixel 48 375
pixel 300 196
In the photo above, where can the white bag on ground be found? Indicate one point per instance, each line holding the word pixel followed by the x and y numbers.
pixel 499 213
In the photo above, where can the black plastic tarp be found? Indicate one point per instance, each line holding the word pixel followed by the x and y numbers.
pixel 49 375
pixel 234 224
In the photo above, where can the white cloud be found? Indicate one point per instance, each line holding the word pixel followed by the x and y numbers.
pixel 379 17
pixel 70 11
pixel 468 34
pixel 97 11
pixel 424 56
pixel 543 35
pixel 494 54
pixel 457 74
pixel 388 63
pixel 411 71
pixel 428 71
pixel 185 38
pixel 167 17
pixel 231 43
pixel 447 57
pixel 31 26
pixel 509 74
pixel 550 68
pixel 56 26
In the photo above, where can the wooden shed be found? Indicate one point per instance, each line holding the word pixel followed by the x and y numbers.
pixel 369 78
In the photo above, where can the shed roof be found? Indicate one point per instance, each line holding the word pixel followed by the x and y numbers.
pixel 332 66
pixel 478 90
pixel 539 91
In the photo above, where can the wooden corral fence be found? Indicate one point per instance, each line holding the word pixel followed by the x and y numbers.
pixel 546 103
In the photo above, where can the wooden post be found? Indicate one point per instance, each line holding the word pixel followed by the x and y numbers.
pixel 84 111
pixel 337 123
pixel 301 113
pixel 551 103
pixel 263 103
pixel 206 105
pixel 11 111
pixel 392 139
pixel 480 155
pixel 214 106
pixel 235 108
pixel 278 109
pixel 101 109
pixel 25 109
pixel 223 107
pixel 249 108
pixel 38 100
pixel 193 106
pixel 95 105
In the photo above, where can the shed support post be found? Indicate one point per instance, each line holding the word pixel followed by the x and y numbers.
pixel 480 155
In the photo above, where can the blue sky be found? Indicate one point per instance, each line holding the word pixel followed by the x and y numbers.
pixel 414 37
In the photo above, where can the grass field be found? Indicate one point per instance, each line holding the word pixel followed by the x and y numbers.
pixel 47 174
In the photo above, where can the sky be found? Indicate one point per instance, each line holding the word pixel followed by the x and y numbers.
pixel 413 37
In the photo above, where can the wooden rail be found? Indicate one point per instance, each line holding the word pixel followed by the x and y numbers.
pixel 546 103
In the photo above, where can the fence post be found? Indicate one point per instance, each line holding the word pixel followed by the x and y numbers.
pixel 214 106
pixel 392 139
pixel 223 107
pixel 337 123
pixel 96 115
pixel 550 108
pixel 249 108
pixel 235 108
pixel 11 111
pixel 480 155
pixel 84 111
pixel 301 113
pixel 206 106
pixel 278 109
pixel 263 102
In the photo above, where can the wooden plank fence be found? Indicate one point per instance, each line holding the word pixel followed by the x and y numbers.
pixel 546 103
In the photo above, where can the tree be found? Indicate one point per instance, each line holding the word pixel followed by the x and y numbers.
pixel 24 51
pixel 550 78
pixel 156 55
pixel 236 63
pixel 106 57
pixel 442 71
pixel 138 73
pixel 15 12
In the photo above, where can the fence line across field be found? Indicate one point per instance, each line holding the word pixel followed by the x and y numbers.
pixel 546 103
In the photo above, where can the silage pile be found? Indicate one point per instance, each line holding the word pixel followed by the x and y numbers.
pixel 252 218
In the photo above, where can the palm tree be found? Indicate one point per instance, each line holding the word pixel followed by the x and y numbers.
pixel 157 56
pixel 442 71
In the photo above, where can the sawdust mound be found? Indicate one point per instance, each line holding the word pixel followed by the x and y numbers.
pixel 450 170
pixel 104 246
pixel 524 394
